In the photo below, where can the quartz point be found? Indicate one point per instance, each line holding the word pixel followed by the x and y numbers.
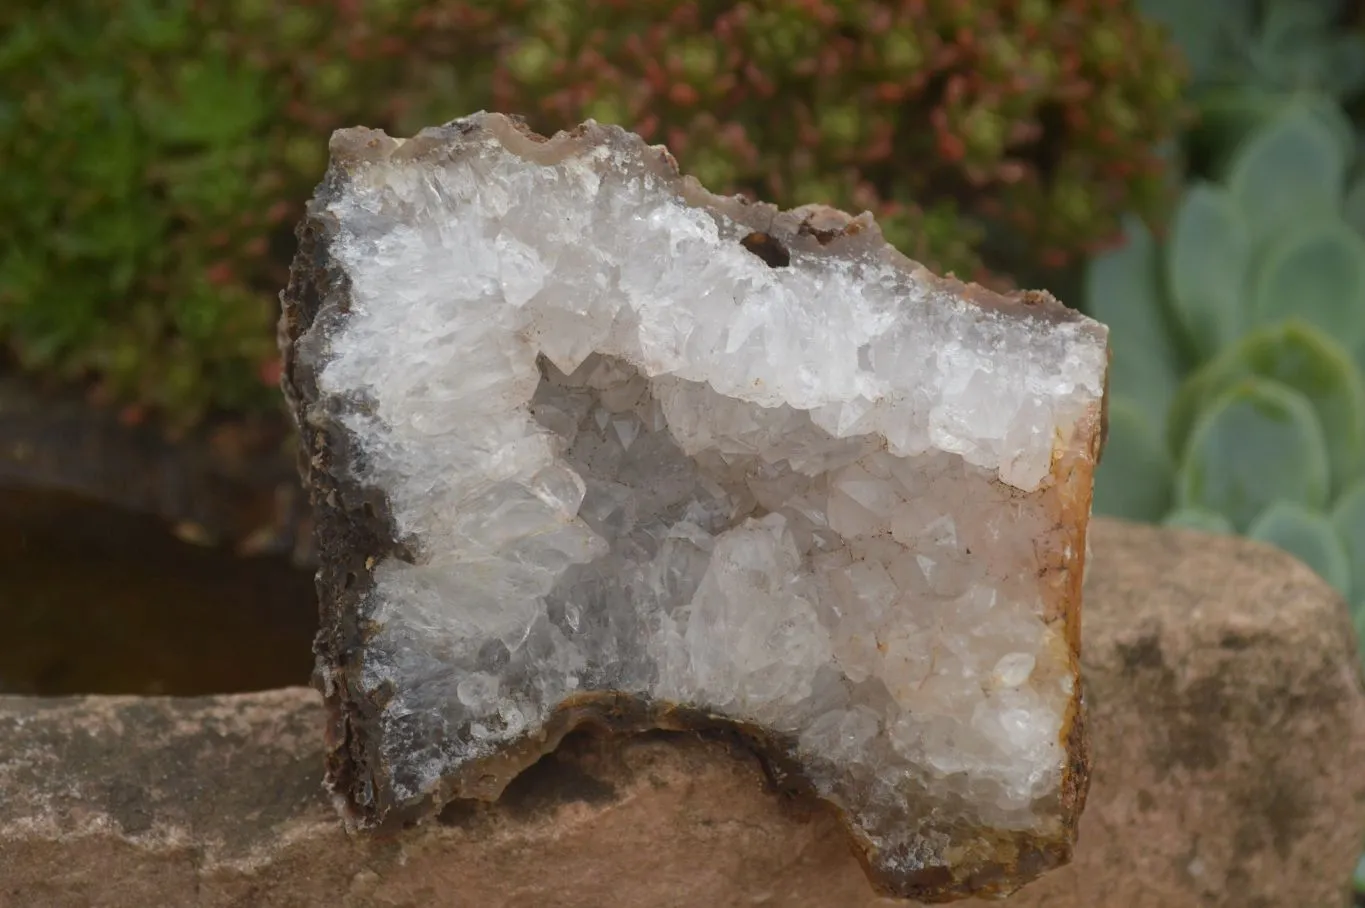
pixel 588 444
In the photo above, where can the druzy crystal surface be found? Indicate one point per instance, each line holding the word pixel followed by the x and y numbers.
pixel 590 444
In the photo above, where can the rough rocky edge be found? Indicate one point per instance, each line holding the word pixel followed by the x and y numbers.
pixel 589 444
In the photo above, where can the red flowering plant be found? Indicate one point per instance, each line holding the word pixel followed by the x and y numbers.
pixel 1022 127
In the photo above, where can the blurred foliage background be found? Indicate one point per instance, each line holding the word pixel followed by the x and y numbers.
pixel 158 152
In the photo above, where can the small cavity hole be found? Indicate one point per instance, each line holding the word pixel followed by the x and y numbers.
pixel 766 247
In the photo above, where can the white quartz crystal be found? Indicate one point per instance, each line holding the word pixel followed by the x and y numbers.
pixel 629 455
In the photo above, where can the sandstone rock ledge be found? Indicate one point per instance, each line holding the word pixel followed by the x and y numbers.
pixel 1228 735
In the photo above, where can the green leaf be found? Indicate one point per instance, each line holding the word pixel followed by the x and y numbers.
pixel 1123 290
pixel 1255 444
pixel 1134 477
pixel 1316 273
pixel 211 186
pixel 1290 170
pixel 1284 50
pixel 1348 518
pixel 1227 114
pixel 22 45
pixel 1308 536
pixel 1289 23
pixel 209 101
pixel 1341 65
pixel 1230 114
pixel 1297 356
pixel 1203 521
pixel 163 25
pixel 1353 206
pixel 1204 30
pixel 1299 46
pixel 1207 260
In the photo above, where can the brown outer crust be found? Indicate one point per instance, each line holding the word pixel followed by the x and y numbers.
pixel 355 531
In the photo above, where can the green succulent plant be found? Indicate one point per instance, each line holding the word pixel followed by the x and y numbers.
pixel 1273 45
pixel 1238 339
pixel 1249 59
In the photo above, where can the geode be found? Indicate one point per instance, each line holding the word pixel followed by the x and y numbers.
pixel 590 445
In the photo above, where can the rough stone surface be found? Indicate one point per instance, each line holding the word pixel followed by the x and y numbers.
pixel 621 451
pixel 1228 730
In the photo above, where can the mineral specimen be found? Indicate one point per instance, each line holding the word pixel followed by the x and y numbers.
pixel 588 444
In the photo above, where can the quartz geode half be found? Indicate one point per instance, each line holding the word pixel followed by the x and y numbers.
pixel 588 444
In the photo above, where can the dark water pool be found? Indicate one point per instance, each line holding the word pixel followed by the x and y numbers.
pixel 98 600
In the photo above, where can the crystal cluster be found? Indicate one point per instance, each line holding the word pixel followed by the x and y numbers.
pixel 589 444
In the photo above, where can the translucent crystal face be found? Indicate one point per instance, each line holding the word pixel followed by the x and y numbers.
pixel 628 455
